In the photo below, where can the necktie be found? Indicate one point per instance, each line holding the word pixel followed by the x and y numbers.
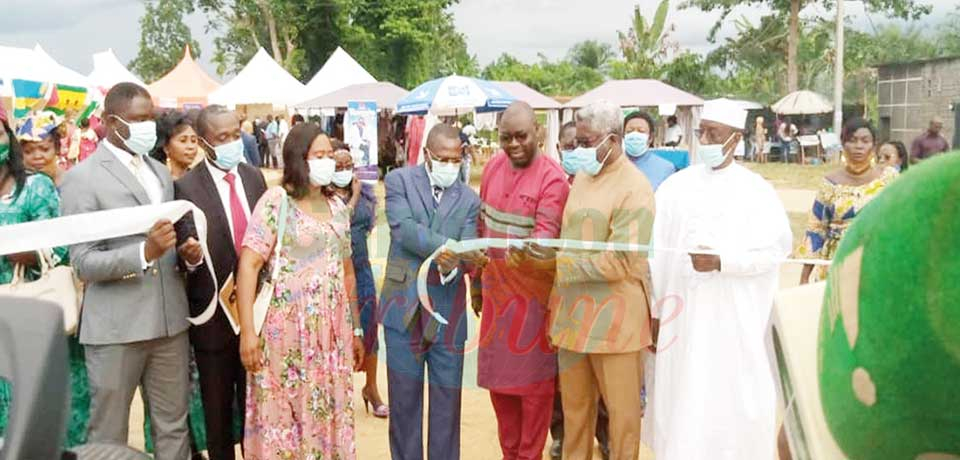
pixel 236 212
pixel 136 167
pixel 437 193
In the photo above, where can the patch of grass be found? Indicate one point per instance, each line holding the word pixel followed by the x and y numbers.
pixel 792 176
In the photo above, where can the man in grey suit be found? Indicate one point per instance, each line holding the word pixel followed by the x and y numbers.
pixel 427 206
pixel 133 322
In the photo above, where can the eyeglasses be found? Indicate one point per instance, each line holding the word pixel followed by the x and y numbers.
pixel 590 143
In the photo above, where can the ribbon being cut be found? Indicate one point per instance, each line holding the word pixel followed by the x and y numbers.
pixel 460 247
pixel 115 223
pixel 105 225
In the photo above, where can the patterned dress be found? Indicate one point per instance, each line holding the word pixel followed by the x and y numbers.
pixel 39 200
pixel 833 211
pixel 299 406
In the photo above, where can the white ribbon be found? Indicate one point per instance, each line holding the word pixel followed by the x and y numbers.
pixel 460 247
pixel 105 225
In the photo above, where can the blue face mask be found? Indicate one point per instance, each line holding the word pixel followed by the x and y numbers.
pixel 585 159
pixel 229 155
pixel 636 144
pixel 568 163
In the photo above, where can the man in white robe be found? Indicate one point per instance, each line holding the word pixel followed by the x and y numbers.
pixel 715 394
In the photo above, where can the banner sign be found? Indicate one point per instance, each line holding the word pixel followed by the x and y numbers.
pixel 360 133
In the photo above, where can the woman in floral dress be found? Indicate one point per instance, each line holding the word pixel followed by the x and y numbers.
pixel 300 388
pixel 842 196
pixel 25 198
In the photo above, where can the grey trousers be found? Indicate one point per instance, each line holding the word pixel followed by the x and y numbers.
pixel 160 366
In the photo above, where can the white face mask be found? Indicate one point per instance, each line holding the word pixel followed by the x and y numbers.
pixel 713 155
pixel 343 178
pixel 321 171
pixel 143 136
pixel 444 174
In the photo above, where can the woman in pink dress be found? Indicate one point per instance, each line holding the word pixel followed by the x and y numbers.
pixel 300 387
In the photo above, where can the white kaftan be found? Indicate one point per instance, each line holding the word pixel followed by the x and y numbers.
pixel 714 388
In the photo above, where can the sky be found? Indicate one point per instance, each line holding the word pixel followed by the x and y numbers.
pixel 72 30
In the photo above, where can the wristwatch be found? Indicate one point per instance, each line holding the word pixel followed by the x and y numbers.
pixel 358 332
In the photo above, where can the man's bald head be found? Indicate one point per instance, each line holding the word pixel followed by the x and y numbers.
pixel 520 110
pixel 936 125
pixel 442 134
pixel 443 144
pixel 518 134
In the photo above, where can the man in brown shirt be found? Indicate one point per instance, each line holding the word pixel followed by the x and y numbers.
pixel 600 301
pixel 930 143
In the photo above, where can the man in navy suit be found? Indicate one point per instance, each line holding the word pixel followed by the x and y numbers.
pixel 426 207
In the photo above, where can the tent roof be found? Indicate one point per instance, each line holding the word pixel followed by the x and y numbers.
pixel 339 71
pixel 636 93
pixel 61 73
pixel 385 94
pixel 529 95
pixel 185 81
pixel 108 71
pixel 36 65
pixel 262 81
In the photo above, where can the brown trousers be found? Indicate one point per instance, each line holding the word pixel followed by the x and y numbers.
pixel 584 378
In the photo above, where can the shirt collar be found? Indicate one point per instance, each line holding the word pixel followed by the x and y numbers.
pixel 217 173
pixel 124 156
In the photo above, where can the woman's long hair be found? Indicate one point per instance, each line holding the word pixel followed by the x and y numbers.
pixel 14 165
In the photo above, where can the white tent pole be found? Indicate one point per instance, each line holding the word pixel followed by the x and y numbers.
pixel 838 73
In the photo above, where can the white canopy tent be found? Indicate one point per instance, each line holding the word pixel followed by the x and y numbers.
pixel 108 71
pixel 59 73
pixel 35 65
pixel 340 70
pixel 262 81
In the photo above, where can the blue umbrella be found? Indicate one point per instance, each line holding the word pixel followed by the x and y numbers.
pixel 455 94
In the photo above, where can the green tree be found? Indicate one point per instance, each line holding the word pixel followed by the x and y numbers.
pixel 403 41
pixel 248 25
pixel 558 78
pixel 644 46
pixel 748 63
pixel 163 36
pixel 406 41
pixel 591 54
pixel 790 11
pixel 691 73
pixel 948 35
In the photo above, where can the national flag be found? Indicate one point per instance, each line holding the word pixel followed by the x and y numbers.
pixel 87 112
pixel 65 97
pixel 28 96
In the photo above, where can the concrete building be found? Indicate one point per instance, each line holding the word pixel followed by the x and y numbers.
pixel 911 93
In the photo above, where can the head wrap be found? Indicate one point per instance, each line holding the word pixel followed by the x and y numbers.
pixel 725 112
pixel 37 126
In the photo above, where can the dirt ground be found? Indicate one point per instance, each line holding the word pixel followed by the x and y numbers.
pixel 796 187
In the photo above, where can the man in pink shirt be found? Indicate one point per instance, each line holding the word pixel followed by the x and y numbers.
pixel 523 194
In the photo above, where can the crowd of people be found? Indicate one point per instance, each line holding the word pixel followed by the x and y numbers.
pixel 565 334
pixel 784 138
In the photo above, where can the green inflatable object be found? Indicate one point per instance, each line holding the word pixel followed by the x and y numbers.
pixel 889 343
